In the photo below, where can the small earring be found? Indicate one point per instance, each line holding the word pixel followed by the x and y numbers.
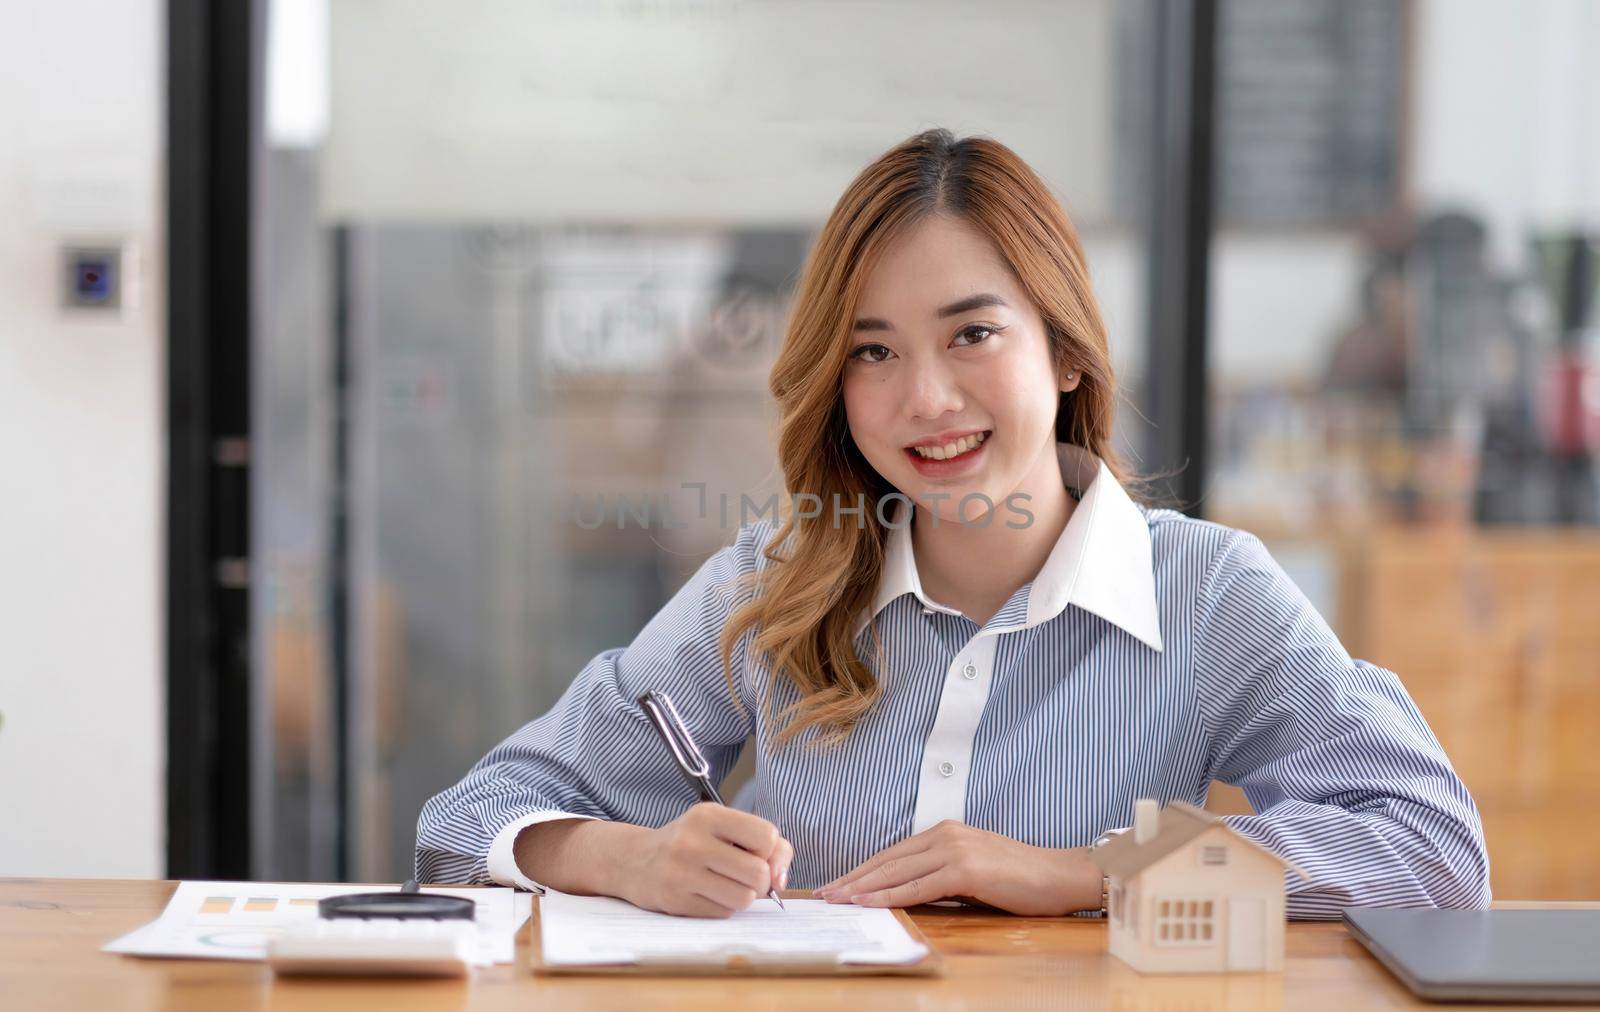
pixel 1071 376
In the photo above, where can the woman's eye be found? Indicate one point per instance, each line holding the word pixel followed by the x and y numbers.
pixel 981 333
pixel 863 352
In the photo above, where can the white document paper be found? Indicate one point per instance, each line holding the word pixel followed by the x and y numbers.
pixel 596 930
pixel 234 920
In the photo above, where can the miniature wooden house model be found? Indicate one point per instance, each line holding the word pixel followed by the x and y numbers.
pixel 1190 895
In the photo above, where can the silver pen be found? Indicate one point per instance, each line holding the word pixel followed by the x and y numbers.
pixel 664 717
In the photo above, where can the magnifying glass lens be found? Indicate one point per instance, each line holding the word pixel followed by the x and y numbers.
pixel 389 905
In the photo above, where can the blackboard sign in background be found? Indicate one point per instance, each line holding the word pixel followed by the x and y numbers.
pixel 1311 99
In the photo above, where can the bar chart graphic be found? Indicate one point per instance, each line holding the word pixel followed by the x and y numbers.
pixel 223 905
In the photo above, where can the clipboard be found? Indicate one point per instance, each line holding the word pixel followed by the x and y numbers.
pixel 738 964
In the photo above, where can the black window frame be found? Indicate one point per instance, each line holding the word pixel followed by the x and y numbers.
pixel 211 117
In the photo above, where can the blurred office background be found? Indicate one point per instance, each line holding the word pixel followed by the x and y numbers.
pixel 331 328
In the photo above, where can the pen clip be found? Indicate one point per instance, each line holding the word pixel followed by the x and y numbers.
pixel 658 705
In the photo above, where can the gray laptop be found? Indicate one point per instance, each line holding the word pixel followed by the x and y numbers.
pixel 1486 955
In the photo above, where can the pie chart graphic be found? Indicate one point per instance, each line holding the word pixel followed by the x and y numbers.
pixel 237 939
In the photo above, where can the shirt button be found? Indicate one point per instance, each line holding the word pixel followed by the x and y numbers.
pixel 970 671
pixel 947 768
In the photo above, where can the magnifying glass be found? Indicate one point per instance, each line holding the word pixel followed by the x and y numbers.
pixel 408 903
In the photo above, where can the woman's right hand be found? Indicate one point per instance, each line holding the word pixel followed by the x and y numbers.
pixel 711 861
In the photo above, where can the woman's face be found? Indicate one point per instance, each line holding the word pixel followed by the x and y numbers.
pixel 949 359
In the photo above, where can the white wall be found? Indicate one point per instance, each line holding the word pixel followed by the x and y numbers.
pixel 1278 298
pixel 81 446
pixel 1508 114
pixel 611 110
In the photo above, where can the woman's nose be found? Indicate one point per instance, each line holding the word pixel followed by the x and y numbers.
pixel 933 392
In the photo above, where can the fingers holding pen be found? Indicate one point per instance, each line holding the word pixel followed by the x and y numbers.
pixel 738 865
pixel 711 861
pixel 757 836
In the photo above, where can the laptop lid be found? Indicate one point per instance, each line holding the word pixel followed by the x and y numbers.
pixel 1486 955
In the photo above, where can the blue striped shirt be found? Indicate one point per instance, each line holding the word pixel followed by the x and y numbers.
pixel 1152 654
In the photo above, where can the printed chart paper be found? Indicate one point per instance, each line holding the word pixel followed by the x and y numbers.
pixel 233 920
pixel 593 930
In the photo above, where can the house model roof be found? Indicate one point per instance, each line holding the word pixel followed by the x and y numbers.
pixel 1180 822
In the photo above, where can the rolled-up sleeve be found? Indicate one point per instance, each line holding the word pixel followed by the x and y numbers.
pixel 595 755
pixel 1346 779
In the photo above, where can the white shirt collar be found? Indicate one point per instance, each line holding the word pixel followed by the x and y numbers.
pixel 1102 562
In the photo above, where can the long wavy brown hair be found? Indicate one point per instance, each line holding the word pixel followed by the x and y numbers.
pixel 806 604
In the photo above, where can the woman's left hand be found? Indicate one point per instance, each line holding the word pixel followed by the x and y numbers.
pixel 955 861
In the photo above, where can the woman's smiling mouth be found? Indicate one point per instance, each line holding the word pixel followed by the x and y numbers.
pixel 950 448
pixel 948 454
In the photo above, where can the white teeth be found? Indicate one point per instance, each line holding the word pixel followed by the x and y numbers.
pixel 949 450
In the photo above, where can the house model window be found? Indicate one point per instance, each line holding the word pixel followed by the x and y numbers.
pixel 1184 922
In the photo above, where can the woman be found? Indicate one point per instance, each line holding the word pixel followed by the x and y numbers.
pixel 967 664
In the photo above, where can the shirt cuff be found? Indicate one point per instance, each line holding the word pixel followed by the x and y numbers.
pixel 503 861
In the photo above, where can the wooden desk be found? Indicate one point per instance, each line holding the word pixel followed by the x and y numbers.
pixel 51 931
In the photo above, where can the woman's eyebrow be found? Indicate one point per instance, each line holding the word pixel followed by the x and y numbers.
pixel 970 303
pixel 965 305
